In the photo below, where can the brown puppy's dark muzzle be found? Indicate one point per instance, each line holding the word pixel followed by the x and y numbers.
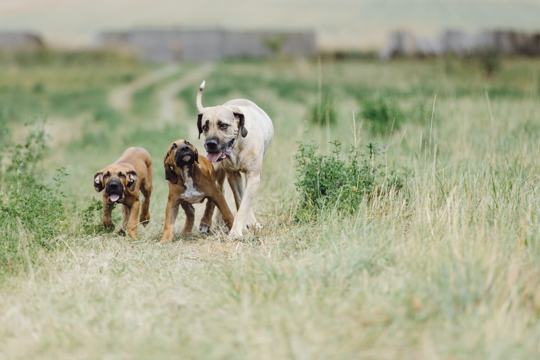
pixel 184 156
pixel 115 190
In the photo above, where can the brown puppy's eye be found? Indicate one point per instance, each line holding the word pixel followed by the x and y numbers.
pixel 173 146
pixel 122 175
pixel 205 128
pixel 223 126
pixel 107 175
pixel 187 143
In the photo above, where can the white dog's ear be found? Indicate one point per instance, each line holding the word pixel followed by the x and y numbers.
pixel 241 121
pixel 199 124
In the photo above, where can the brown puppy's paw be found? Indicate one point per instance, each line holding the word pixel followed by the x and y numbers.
pixel 144 219
pixel 167 236
pixel 204 229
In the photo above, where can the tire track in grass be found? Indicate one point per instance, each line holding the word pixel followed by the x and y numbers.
pixel 169 104
pixel 121 98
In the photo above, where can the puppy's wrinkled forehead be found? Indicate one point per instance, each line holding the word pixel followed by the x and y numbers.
pixel 116 170
pixel 218 114
pixel 178 144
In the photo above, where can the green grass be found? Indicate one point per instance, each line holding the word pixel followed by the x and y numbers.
pixel 446 268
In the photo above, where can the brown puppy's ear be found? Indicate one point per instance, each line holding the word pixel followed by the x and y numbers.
pixel 98 181
pixel 132 180
pixel 169 173
pixel 199 124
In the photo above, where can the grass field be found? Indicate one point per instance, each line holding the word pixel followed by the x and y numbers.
pixel 446 268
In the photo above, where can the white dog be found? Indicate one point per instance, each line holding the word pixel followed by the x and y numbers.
pixel 238 134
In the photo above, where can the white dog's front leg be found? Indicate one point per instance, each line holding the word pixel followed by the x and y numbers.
pixel 240 220
pixel 252 221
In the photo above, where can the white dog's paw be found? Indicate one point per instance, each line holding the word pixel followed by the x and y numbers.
pixel 204 229
pixel 256 226
pixel 235 233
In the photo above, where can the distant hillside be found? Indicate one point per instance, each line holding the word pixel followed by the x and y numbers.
pixel 339 23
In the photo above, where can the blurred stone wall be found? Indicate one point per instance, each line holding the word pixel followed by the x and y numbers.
pixel 166 45
pixel 20 40
pixel 511 43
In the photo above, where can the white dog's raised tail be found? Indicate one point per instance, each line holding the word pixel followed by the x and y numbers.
pixel 200 107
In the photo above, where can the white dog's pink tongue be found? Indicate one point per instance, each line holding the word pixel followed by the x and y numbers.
pixel 213 157
pixel 114 197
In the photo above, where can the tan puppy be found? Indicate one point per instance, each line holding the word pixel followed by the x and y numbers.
pixel 238 134
pixel 191 180
pixel 122 182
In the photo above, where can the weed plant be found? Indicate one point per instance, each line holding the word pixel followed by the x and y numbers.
pixel 91 218
pixel 329 182
pixel 31 214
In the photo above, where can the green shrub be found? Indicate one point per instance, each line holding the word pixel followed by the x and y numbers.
pixel 381 114
pixel 31 214
pixel 39 208
pixel 331 182
pixel 91 218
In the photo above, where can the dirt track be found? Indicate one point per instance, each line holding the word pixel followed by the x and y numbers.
pixel 120 99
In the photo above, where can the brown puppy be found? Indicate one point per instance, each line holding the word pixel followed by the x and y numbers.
pixel 191 180
pixel 122 182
